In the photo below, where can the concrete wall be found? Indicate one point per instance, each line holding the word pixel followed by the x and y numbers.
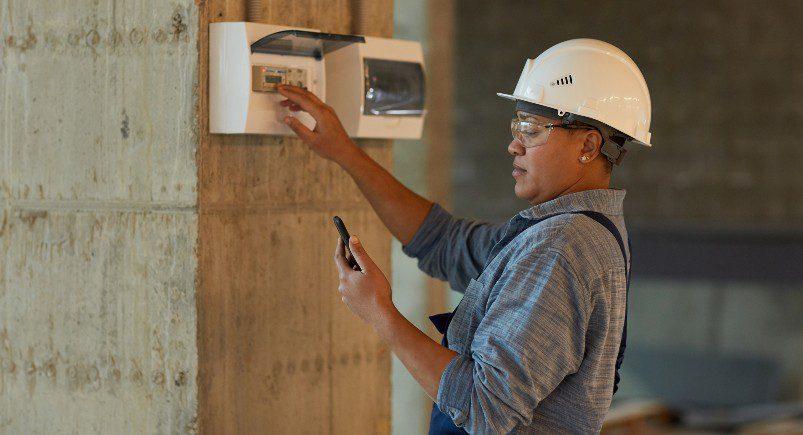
pixel 142 292
pixel 419 164
pixel 98 232
pixel 714 343
pixel 410 292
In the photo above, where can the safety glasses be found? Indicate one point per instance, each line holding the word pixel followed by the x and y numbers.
pixel 532 134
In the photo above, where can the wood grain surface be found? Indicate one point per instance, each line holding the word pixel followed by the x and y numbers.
pixel 278 350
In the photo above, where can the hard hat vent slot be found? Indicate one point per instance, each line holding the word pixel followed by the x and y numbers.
pixel 566 80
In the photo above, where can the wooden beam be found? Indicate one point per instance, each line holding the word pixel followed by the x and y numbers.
pixel 278 350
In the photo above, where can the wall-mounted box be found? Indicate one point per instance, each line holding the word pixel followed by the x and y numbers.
pixel 375 85
pixel 377 88
pixel 248 60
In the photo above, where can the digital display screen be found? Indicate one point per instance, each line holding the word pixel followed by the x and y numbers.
pixel 267 78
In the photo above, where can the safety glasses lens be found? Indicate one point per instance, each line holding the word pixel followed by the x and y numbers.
pixel 528 133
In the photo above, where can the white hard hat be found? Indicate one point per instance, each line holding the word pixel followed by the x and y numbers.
pixel 588 80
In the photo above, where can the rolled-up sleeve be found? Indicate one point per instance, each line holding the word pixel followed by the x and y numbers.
pixel 531 338
pixel 450 249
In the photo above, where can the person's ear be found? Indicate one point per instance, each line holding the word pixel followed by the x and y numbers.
pixel 591 145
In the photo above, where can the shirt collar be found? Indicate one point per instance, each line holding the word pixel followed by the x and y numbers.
pixel 605 201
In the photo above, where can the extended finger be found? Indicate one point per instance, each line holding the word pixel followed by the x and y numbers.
pixel 306 92
pixel 302 99
pixel 300 129
pixel 291 105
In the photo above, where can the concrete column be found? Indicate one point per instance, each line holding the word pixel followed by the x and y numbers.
pixel 99 224
pixel 423 166
pixel 155 278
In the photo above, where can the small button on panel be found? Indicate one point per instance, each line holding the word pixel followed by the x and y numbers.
pixel 265 78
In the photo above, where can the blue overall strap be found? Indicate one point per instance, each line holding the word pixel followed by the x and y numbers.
pixel 605 222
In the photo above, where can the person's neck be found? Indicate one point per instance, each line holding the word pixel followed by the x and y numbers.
pixel 585 183
pixel 590 183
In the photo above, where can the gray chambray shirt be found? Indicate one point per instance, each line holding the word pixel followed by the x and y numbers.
pixel 539 327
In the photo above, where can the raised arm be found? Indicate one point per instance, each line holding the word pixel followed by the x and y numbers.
pixel 400 209
pixel 451 249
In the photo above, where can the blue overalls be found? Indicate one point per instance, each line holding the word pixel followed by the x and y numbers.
pixel 440 423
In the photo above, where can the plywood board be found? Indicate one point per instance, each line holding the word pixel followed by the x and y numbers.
pixel 278 351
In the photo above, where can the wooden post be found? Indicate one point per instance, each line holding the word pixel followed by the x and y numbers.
pixel 278 351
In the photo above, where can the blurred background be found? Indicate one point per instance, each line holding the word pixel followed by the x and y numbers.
pixel 157 278
pixel 715 208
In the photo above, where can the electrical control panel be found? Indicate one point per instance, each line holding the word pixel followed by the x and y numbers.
pixel 375 85
pixel 246 63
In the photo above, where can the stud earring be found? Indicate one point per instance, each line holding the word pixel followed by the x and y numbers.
pixel 583 159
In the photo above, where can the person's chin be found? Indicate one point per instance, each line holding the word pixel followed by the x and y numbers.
pixel 521 191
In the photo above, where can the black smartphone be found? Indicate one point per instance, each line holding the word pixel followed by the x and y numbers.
pixel 344 236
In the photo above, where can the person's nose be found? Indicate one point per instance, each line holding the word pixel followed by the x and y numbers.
pixel 515 148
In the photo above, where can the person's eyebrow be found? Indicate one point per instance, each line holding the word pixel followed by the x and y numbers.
pixel 524 116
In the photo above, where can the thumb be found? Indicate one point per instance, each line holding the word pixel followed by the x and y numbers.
pixel 359 254
pixel 299 128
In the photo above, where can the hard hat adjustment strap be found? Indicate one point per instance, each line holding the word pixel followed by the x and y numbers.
pixel 613 151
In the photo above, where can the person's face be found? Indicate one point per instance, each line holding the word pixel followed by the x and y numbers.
pixel 543 172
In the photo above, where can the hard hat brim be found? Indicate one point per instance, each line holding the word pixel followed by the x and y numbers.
pixel 514 98
pixel 506 96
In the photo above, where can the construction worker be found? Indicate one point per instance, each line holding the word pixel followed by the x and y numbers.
pixel 536 342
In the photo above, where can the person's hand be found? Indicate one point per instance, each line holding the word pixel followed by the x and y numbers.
pixel 365 292
pixel 329 138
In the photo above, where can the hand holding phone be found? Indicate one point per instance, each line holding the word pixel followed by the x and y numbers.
pixel 344 236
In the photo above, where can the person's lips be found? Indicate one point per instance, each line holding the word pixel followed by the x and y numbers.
pixel 518 170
